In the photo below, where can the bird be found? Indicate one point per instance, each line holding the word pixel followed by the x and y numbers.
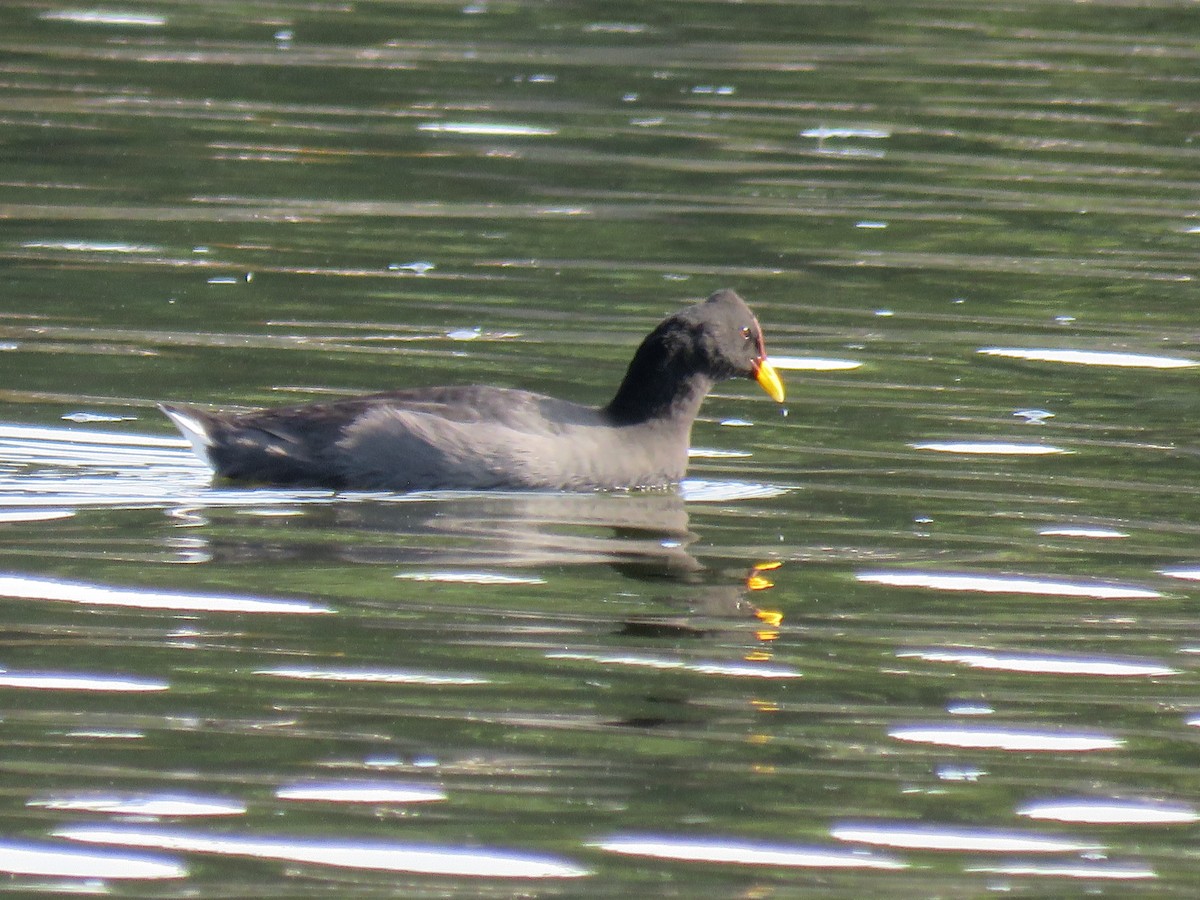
pixel 476 437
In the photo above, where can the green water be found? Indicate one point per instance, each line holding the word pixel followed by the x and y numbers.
pixel 976 669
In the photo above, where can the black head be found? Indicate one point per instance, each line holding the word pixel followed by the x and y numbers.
pixel 705 343
pixel 725 340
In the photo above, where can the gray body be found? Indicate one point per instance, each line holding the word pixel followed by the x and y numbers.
pixel 454 438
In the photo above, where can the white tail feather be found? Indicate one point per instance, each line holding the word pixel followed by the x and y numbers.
pixel 192 429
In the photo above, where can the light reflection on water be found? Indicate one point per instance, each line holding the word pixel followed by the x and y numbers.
pixel 914 836
pixel 1091 811
pixel 736 670
pixel 1008 584
pixel 78 681
pixel 1091 357
pixel 1044 663
pixel 373 792
pixel 378 676
pixel 142 804
pixel 1004 737
pixel 374 855
pixel 1000 448
pixel 717 850
pixel 67 862
pixel 1087 870
pixel 26 587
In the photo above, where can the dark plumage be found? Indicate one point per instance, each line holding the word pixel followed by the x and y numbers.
pixel 475 437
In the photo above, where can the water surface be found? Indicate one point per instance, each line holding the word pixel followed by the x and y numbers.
pixel 928 629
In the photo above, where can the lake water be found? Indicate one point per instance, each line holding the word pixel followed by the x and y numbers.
pixel 929 629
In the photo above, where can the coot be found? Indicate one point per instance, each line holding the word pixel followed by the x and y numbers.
pixel 475 437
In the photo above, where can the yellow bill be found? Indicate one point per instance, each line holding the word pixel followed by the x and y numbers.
pixel 768 379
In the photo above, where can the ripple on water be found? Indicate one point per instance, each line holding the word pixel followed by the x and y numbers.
pixel 1099 811
pixel 1082 531
pixel 141 804
pixel 1091 357
pixel 696 490
pixel 1008 584
pixel 29 587
pixel 747 669
pixel 64 861
pixel 1087 870
pixel 111 18
pixel 1043 663
pixel 1004 737
pixel 918 836
pixel 388 856
pixel 990 448
pixel 51 472
pixel 484 578
pixel 813 364
pixel 80 681
pixel 371 676
pixel 360 791
pixel 745 853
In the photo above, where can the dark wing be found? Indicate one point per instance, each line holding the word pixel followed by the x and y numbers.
pixel 264 447
pixel 458 437
pixel 461 438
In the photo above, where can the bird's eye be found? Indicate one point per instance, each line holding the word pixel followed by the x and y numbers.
pixel 746 332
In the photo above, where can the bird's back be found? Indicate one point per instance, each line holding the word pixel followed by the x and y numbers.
pixel 454 438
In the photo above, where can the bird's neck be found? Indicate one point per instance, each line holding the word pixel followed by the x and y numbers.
pixel 659 386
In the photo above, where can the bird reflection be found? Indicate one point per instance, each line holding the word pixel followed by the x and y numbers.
pixel 710 604
pixel 645 536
